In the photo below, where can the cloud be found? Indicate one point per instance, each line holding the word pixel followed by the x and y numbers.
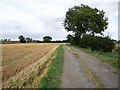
pixel 37 18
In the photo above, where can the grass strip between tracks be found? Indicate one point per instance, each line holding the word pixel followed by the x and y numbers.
pixel 52 77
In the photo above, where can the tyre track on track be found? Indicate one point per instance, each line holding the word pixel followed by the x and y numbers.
pixel 104 72
pixel 72 76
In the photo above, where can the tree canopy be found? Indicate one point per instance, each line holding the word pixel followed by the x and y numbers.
pixel 69 38
pixel 84 19
pixel 22 39
pixel 28 40
pixel 85 22
pixel 47 38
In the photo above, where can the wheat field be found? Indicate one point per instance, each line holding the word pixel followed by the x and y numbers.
pixel 20 63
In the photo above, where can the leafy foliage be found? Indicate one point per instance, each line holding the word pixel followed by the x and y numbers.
pixel 22 39
pixel 28 40
pixel 70 38
pixel 83 19
pixel 47 39
pixel 85 22
pixel 96 43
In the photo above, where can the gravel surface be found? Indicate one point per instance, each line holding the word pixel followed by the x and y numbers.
pixel 106 74
pixel 72 76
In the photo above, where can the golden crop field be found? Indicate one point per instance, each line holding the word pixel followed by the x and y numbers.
pixel 21 62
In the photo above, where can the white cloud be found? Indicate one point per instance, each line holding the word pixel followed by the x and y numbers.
pixel 36 18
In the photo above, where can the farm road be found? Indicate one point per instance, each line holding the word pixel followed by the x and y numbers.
pixel 73 77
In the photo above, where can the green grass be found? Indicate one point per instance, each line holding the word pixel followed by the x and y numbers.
pixel 110 58
pixel 52 77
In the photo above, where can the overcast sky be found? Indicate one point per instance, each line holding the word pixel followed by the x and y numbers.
pixel 37 18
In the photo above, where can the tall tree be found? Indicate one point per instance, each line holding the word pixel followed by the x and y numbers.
pixel 22 39
pixel 84 19
pixel 47 39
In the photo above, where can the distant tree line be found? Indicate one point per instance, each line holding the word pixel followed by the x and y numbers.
pixel 56 41
pixel 46 39
pixel 4 40
pixel 85 22
pixel 25 40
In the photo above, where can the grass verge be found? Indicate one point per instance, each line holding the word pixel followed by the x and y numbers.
pixel 110 58
pixel 52 77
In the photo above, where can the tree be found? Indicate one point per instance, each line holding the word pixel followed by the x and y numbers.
pixel 47 39
pixel 84 19
pixel 86 40
pixel 9 40
pixel 1 40
pixel 28 40
pixel 22 39
pixel 5 39
pixel 69 38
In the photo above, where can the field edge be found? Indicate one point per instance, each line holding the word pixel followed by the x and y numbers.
pixel 52 77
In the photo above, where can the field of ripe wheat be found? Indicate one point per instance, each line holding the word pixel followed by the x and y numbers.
pixel 23 63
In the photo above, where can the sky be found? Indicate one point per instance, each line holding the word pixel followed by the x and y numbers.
pixel 38 18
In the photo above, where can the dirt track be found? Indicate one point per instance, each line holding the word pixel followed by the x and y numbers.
pixel 73 76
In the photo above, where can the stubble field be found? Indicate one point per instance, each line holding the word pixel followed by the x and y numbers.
pixel 22 63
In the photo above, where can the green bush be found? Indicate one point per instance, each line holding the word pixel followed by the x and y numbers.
pixel 96 43
pixel 86 40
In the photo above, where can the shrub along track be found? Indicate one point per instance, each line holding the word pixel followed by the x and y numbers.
pixel 82 70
